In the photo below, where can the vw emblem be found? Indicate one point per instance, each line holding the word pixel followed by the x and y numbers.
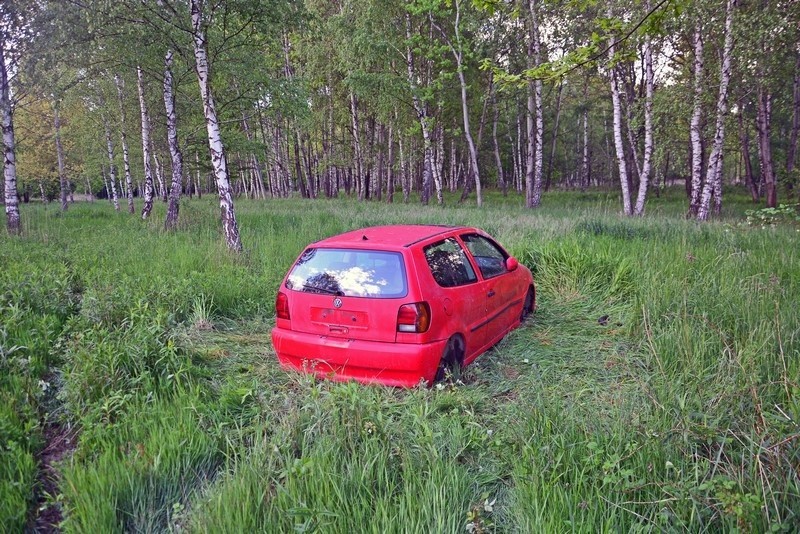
pixel 337 302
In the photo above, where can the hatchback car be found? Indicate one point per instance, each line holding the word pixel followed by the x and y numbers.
pixel 398 305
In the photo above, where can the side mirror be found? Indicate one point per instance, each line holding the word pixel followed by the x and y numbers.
pixel 512 264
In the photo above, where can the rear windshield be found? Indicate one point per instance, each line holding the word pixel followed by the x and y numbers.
pixel 349 273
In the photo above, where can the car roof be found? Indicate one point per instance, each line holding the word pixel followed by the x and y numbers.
pixel 398 235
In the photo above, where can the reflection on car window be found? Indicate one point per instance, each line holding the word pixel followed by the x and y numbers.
pixel 351 273
pixel 449 264
pixel 491 259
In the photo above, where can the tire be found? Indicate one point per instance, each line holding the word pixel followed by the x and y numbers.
pixel 450 364
pixel 528 306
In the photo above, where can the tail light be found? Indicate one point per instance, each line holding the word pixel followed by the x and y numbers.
pixel 414 318
pixel 282 306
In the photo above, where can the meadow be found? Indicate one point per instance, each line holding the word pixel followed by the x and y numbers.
pixel 656 388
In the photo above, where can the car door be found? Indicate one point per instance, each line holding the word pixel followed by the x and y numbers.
pixel 462 297
pixel 502 300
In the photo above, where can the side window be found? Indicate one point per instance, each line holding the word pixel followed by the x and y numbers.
pixel 449 264
pixel 491 259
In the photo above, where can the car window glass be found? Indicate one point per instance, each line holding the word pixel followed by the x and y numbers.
pixel 349 272
pixel 449 264
pixel 491 259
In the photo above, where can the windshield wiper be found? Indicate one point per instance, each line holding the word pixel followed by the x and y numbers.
pixel 325 290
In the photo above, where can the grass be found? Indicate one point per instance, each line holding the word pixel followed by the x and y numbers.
pixel 656 387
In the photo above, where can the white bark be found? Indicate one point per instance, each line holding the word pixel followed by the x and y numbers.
pixel 424 120
pixel 585 158
pixel 229 225
pixel 694 129
pixel 112 172
pixel 644 175
pixel 148 174
pixel 62 178
pixel 404 178
pixel 162 188
pixel 359 163
pixel 173 208
pixel 533 173
pixel 438 166
pixel 10 196
pixel 714 169
pixel 125 163
pixel 619 147
pixel 458 54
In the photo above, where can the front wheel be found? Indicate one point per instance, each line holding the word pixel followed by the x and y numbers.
pixel 450 364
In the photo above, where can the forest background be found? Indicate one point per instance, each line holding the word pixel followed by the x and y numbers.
pixel 379 98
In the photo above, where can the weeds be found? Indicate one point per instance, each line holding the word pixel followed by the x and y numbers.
pixel 655 389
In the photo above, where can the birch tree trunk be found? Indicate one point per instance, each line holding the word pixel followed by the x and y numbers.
pixel 148 173
pixel 162 188
pixel 390 166
pixel 498 160
pixel 424 120
pixel 174 148
pixel 694 129
pixel 618 146
pixel 112 169
pixel 403 169
pixel 126 164
pixel 257 175
pixel 229 225
pixel 438 163
pixel 585 177
pixel 644 175
pixel 714 168
pixel 359 160
pixel 62 178
pixel 10 196
pixel 533 173
pixel 473 152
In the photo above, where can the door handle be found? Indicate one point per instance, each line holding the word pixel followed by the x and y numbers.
pixel 491 293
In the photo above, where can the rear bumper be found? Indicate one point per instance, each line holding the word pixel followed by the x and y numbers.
pixel 390 364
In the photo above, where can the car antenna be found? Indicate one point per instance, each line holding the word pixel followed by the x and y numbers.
pixel 364 238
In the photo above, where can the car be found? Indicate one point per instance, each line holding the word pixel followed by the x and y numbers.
pixel 398 305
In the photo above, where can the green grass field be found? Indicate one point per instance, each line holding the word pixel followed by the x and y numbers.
pixel 151 350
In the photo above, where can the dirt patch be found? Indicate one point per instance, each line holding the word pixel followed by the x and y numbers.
pixel 60 441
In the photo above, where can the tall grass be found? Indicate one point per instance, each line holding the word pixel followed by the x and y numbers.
pixel 656 387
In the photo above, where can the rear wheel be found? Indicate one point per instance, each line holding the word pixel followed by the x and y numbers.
pixel 527 308
pixel 450 364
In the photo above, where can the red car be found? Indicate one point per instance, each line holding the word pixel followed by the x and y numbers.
pixel 398 305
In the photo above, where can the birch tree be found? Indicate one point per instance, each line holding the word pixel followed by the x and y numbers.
pixel 695 133
pixel 457 49
pixel 112 168
pixel 424 118
pixel 644 174
pixel 62 177
pixel 126 165
pixel 10 196
pixel 176 156
pixel 145 120
pixel 535 122
pixel 619 147
pixel 714 169
pixel 229 225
